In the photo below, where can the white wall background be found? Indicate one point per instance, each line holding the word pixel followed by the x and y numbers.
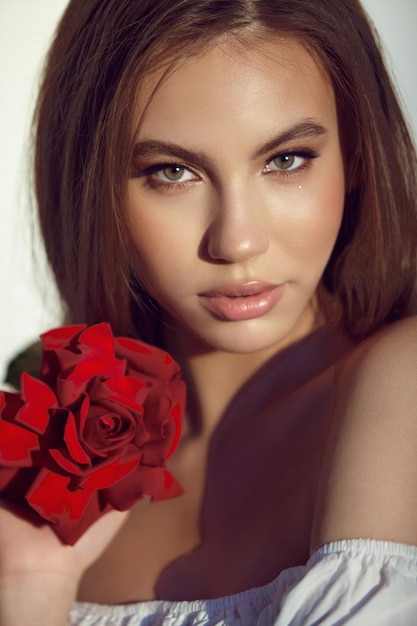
pixel 27 303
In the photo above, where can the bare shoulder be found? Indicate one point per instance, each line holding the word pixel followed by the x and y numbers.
pixel 368 485
pixel 395 345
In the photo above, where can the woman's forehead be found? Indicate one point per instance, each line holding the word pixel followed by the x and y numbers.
pixel 248 47
pixel 277 76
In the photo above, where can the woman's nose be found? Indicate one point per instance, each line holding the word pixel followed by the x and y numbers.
pixel 239 230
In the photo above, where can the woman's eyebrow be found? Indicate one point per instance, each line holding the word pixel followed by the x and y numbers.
pixel 304 129
pixel 151 148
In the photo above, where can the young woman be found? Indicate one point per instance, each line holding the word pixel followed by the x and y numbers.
pixel 234 182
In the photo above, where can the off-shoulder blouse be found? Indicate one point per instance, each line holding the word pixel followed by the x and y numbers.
pixel 355 582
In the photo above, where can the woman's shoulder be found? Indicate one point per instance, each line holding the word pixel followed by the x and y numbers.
pixel 395 345
pixel 368 484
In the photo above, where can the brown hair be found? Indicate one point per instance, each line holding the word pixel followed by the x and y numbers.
pixel 83 149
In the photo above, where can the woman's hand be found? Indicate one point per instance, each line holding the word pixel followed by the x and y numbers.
pixel 39 575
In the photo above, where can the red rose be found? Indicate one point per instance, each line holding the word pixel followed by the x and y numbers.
pixel 94 432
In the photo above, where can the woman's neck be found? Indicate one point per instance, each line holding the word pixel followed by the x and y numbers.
pixel 214 377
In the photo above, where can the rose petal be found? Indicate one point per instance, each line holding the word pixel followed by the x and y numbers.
pixel 83 412
pixel 107 432
pixel 157 364
pixel 72 385
pixel 124 391
pixel 110 474
pixel 167 488
pixel 98 339
pixel 58 338
pixel 60 352
pixel 127 386
pixel 135 346
pixel 61 458
pixel 71 438
pixel 127 403
pixel 90 367
pixel 69 531
pixel 6 477
pixel 50 497
pixel 176 415
pixel 38 399
pixel 16 445
pixel 154 453
pixel 100 441
pixel 10 405
pixel 89 354
pixel 156 482
pixel 157 409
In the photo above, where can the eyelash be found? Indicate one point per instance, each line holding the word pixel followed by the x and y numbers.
pixel 149 172
pixel 306 154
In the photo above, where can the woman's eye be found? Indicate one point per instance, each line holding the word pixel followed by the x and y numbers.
pixel 285 162
pixel 169 177
pixel 173 174
pixel 291 163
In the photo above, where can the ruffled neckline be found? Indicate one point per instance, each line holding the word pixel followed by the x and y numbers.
pixel 257 596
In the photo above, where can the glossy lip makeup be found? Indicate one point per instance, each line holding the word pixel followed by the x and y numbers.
pixel 236 302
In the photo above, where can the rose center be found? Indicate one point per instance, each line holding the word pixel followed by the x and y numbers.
pixel 109 425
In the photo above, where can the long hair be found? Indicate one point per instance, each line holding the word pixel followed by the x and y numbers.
pixel 84 141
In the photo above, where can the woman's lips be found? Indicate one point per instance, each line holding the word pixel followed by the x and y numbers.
pixel 246 301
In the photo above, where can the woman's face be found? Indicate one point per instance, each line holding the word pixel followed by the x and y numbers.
pixel 236 194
